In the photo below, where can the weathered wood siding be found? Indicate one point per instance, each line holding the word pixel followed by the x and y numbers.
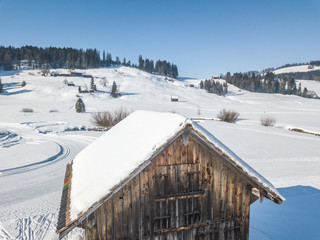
pixel 187 192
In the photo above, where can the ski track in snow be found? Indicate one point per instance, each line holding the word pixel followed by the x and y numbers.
pixel 62 154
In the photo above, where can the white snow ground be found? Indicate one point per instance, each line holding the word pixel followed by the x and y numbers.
pixel 35 147
pixel 301 68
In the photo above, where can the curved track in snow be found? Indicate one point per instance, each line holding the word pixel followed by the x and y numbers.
pixel 64 151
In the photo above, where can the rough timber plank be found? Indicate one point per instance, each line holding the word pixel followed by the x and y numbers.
pixel 217 188
pixel 109 209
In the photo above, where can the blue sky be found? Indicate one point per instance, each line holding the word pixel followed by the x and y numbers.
pixel 202 37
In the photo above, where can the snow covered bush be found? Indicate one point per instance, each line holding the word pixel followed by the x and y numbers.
pixel 268 121
pixel 27 110
pixel 108 119
pixel 80 107
pixel 228 115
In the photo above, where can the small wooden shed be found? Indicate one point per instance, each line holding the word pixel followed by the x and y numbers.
pixel 174 98
pixel 160 176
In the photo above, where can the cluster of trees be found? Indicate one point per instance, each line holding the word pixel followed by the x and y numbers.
pixel 49 57
pixel 53 57
pixel 216 87
pixel 93 87
pixel 311 75
pixel 1 86
pixel 161 67
pixel 266 84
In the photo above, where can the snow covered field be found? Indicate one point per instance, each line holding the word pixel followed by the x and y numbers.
pixel 35 147
pixel 301 68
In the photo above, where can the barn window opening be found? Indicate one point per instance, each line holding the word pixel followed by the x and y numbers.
pixel 162 219
pixel 161 184
pixel 193 181
pixel 192 214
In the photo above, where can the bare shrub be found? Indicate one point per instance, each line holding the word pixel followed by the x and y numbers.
pixel 268 121
pixel 27 110
pixel 108 119
pixel 228 115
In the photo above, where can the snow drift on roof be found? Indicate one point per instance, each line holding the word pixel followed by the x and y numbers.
pixel 112 157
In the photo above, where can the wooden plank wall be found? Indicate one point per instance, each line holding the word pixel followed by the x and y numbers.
pixel 185 193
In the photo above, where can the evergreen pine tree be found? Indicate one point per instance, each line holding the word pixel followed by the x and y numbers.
pixel 299 90
pixel 140 62
pixel 305 92
pixel 114 91
pixel 80 107
pixel 93 87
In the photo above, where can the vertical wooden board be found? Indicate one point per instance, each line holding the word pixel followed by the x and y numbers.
pixel 117 205
pixel 207 200
pixel 172 213
pixel 171 179
pixel 196 151
pixel 223 192
pixel 135 207
pixel 152 201
pixel 126 209
pixel 221 231
pixel 144 204
pixel 190 151
pixel 177 149
pixel 230 194
pixel 163 180
pixel 181 177
pixel 181 211
pixel 245 211
pixel 103 222
pixel 170 155
pixel 109 210
pixel 99 222
pixel 216 188
pixel 238 195
pixel 105 234
pixel 183 150
pixel 94 232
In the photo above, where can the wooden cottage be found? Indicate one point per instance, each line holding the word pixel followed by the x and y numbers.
pixel 174 99
pixel 160 176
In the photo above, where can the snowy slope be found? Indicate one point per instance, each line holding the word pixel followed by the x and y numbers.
pixel 35 147
pixel 301 68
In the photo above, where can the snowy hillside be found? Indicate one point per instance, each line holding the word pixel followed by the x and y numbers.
pixel 301 68
pixel 36 146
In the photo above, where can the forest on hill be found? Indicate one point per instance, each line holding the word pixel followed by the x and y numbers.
pixel 71 58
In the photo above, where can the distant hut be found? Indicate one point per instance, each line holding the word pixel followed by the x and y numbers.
pixel 160 176
pixel 174 99
pixel 86 75
pixel 54 74
pixel 76 74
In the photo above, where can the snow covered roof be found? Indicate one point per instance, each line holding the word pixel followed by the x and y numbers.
pixel 129 145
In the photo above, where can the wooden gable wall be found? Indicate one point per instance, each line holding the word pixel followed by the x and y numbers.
pixel 187 192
